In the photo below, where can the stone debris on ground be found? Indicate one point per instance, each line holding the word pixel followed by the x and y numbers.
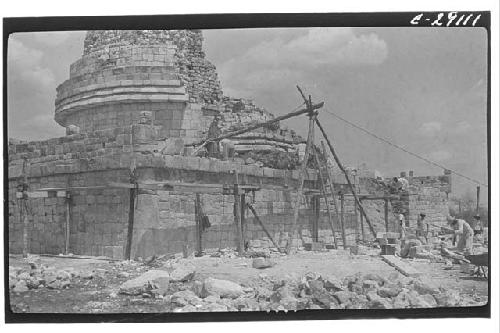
pixel 175 285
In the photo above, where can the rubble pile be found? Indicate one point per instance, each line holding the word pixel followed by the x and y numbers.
pixel 182 290
pixel 42 276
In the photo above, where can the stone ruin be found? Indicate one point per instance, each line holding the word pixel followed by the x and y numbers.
pixel 140 100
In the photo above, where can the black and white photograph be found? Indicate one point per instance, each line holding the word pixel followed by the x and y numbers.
pixel 334 168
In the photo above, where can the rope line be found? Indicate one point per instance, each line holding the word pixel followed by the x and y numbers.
pixel 405 150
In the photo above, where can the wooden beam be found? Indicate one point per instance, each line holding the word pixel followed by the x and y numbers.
pixel 262 226
pixel 237 215
pixel 131 213
pixel 315 231
pixel 199 229
pixel 253 127
pixel 363 238
pixel 301 184
pixel 24 209
pixel 337 160
pixel 356 222
pixel 386 214
pixel 342 222
pixel 42 194
pixel 68 215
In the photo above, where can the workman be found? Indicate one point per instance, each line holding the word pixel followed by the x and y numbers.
pixel 465 232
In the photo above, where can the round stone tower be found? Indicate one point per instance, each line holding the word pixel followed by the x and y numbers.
pixel 123 73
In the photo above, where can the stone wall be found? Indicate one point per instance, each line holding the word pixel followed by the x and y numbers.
pixel 98 217
pixel 195 72
pixel 429 195
pixel 125 72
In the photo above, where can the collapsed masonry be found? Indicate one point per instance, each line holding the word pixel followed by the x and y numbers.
pixel 139 100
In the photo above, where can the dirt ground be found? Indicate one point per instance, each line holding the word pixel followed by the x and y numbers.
pixel 100 294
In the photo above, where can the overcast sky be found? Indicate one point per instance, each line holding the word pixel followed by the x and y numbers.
pixel 422 88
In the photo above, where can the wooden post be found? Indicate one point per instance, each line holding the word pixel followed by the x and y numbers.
pixel 199 230
pixel 356 221
pixel 131 210
pixel 263 227
pixel 24 209
pixel 353 191
pixel 477 199
pixel 362 227
pixel 68 212
pixel 315 232
pixel 237 215
pixel 301 184
pixel 386 214
pixel 242 216
pixel 344 240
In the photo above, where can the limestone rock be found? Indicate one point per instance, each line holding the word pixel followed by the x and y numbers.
pixel 20 287
pixel 424 288
pixel 185 297
pixel 58 284
pixel 223 288
pixel 389 291
pixel 142 283
pixel 344 297
pixel 261 263
pixel 332 283
pixel 448 298
pixel 182 273
pixel 418 301
pixel 380 303
pixel 370 285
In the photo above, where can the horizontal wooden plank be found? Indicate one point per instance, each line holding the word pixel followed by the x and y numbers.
pixel 43 194
pixel 401 266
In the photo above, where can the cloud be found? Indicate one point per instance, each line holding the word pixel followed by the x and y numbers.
pixel 24 67
pixel 309 52
pixel 52 38
pixel 430 129
pixel 462 127
pixel 440 155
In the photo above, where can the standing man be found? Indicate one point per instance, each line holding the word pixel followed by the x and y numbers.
pixel 465 232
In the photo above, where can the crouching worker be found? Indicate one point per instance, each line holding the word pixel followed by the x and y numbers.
pixel 465 232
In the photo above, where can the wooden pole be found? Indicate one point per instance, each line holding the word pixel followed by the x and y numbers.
pixel 131 211
pixel 68 214
pixel 315 232
pixel 242 218
pixel 323 192
pixel 386 214
pixel 197 213
pixel 301 184
pixel 24 209
pixel 342 204
pixel 308 109
pixel 362 227
pixel 356 222
pixel 478 189
pixel 237 215
pixel 337 160
pixel 262 226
